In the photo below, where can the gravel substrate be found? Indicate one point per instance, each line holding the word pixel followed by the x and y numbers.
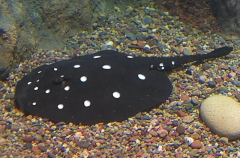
pixel 172 129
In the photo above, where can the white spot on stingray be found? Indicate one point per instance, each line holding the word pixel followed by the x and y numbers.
pixel 29 83
pixel 106 67
pixel 36 88
pixel 173 62
pixel 39 72
pixel 76 66
pixel 161 64
pixel 83 79
pixel 37 81
pixel 129 56
pixel 162 68
pixel 87 103
pixel 47 91
pixel 55 69
pixel 60 106
pixel 62 76
pixel 34 103
pixel 97 56
pixel 66 88
pixel 116 94
pixel 141 77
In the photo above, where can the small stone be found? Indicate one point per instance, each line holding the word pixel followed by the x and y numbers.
pixel 113 130
pixel 146 117
pixel 102 33
pixel 133 139
pixel 9 107
pixel 181 113
pixel 232 75
pixel 25 69
pixel 188 140
pixel 147 49
pixel 83 144
pixel 28 145
pixel 236 83
pixel 27 139
pixel 222 89
pixel 180 129
pixel 184 97
pixel 141 44
pixel 130 36
pixel 175 122
pixel 109 43
pixel 179 155
pixel 237 95
pixel 1 84
pixel 153 133
pixel 238 71
pixel 205 66
pixel 147 20
pixel 211 84
pixel 189 72
pixel 187 119
pixel 36 151
pixel 42 147
pixel 189 107
pixel 194 153
pixel 10 96
pixel 196 144
pixel 162 132
pixel 223 140
pixel 202 79
pixel 196 93
pixel 139 153
pixel 187 51
pixel 195 101
pixel 38 137
pixel 221 115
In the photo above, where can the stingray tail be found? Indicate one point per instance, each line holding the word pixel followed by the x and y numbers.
pixel 172 62
pixel 216 53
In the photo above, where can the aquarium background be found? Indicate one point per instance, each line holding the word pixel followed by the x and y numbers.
pixel 34 33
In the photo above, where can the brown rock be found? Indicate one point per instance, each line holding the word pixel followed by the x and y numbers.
pixel 184 97
pixel 181 113
pixel 196 144
pixel 180 129
pixel 139 153
pixel 153 133
pixel 179 156
pixel 36 151
pixel 162 132
pixel 27 139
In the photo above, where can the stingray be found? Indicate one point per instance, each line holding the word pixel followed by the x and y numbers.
pixel 104 87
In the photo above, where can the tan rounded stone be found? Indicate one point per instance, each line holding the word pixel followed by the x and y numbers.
pixel 222 115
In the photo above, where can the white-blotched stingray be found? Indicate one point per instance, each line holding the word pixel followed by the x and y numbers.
pixel 103 87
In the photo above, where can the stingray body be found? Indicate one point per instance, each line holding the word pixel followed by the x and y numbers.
pixel 103 87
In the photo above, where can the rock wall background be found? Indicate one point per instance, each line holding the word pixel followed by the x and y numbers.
pixel 227 13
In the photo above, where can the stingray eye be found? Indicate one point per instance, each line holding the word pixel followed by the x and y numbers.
pixel 62 81
pixel 58 80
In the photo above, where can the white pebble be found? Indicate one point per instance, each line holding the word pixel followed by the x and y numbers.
pixel 109 43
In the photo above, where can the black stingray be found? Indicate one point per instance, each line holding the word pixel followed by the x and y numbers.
pixel 103 87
